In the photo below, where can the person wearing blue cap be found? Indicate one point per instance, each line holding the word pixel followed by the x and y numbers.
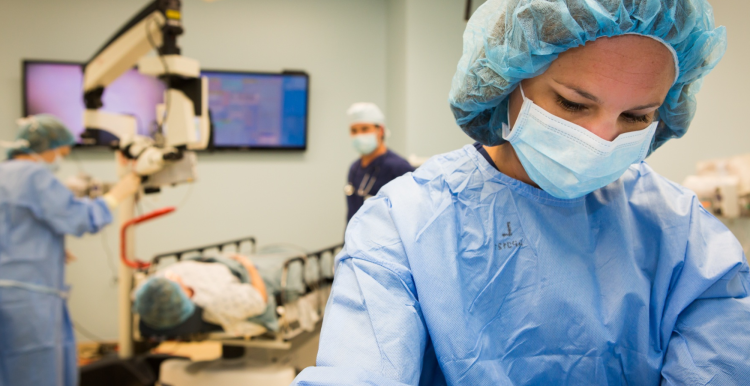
pixel 229 290
pixel 377 165
pixel 37 345
pixel 163 303
pixel 549 253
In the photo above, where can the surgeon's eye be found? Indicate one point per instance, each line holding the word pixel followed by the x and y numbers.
pixel 631 118
pixel 569 105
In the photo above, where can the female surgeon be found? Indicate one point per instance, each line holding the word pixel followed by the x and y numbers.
pixel 549 253
pixel 36 212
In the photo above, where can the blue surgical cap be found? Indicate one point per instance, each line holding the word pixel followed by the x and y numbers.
pixel 39 133
pixel 161 303
pixel 507 41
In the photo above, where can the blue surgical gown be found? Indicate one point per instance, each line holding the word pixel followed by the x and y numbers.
pixel 457 274
pixel 36 212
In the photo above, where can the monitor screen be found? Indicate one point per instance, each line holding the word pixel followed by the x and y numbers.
pixel 57 88
pixel 248 110
pixel 256 110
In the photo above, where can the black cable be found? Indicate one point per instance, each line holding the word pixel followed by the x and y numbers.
pixel 167 99
pixel 86 332
pixel 78 162
pixel 108 252
pixel 186 197
pixel 146 204
pixel 103 233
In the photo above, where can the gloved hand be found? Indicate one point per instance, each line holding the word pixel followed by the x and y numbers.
pixel 126 187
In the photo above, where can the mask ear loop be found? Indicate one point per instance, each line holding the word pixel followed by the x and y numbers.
pixel 506 127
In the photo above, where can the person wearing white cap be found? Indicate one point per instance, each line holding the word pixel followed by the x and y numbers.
pixel 377 165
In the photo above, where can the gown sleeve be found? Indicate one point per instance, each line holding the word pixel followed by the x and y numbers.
pixel 63 212
pixel 709 342
pixel 373 331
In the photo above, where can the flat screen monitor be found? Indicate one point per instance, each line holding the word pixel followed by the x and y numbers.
pixel 258 110
pixel 248 110
pixel 57 88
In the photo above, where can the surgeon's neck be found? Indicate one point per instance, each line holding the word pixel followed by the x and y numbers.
pixel 367 159
pixel 25 157
pixel 506 160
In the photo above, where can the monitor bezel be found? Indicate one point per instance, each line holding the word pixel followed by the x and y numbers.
pixel 213 146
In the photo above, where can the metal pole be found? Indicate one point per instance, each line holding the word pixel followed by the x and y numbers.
pixel 125 280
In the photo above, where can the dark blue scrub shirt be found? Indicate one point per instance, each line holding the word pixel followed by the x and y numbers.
pixel 379 172
pixel 484 154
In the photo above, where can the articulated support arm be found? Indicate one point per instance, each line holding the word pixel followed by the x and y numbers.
pixel 136 264
pixel 183 117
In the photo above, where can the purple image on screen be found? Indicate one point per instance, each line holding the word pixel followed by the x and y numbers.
pixel 248 109
pixel 57 89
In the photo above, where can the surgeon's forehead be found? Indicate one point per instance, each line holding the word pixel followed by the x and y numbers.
pixel 629 60
pixel 362 126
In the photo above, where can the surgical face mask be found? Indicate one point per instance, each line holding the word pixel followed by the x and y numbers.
pixel 568 161
pixel 365 143
pixel 53 166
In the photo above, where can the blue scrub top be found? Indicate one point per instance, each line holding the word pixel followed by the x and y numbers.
pixel 379 172
pixel 458 274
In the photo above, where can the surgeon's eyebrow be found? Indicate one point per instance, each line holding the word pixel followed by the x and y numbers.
pixel 648 106
pixel 580 92
pixel 592 97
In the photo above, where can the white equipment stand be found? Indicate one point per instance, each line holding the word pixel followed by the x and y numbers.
pixel 125 273
pixel 183 119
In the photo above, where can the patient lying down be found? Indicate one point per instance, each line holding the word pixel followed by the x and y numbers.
pixel 169 297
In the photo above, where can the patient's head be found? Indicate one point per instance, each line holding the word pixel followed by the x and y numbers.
pixel 162 303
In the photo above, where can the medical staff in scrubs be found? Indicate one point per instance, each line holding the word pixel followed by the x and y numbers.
pixel 548 253
pixel 377 164
pixel 37 346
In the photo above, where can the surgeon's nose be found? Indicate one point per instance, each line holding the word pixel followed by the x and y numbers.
pixel 604 129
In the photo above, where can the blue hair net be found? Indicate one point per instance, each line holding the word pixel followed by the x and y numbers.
pixel 161 303
pixel 39 133
pixel 507 41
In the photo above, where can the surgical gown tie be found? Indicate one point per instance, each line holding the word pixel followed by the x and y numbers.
pixel 63 294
